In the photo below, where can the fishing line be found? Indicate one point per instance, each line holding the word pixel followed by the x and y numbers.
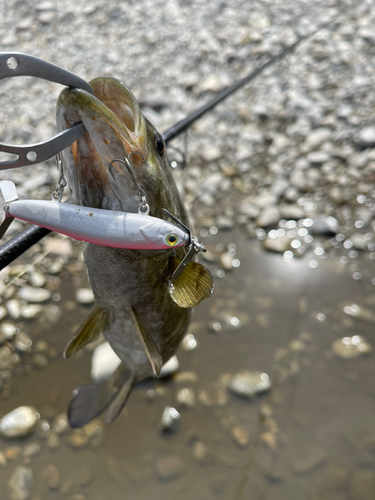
pixel 27 268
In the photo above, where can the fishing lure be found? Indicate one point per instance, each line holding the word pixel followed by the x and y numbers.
pixel 103 227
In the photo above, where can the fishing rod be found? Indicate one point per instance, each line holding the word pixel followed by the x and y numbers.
pixel 24 240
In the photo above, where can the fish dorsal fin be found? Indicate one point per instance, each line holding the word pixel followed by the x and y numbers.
pixel 152 352
pixel 192 286
pixel 90 329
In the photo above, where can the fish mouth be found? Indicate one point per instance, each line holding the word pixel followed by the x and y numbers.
pixel 116 130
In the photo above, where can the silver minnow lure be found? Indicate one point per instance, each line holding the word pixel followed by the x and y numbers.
pixel 102 227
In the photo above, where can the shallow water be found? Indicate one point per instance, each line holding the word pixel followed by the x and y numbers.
pixel 311 436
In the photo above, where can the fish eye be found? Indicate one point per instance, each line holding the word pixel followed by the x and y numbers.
pixel 160 144
pixel 171 239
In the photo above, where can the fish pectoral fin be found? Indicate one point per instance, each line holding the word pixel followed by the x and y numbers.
pixel 89 401
pixel 192 286
pixel 90 329
pixel 150 348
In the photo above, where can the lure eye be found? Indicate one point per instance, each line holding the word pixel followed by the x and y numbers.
pixel 159 144
pixel 171 239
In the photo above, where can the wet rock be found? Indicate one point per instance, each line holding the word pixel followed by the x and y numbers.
pixel 224 223
pixel 200 452
pixel 5 358
pixel 362 485
pixel 78 438
pixel 104 362
pixel 19 422
pixel 360 312
pixel 169 419
pixel 31 450
pixel 316 138
pixel 359 241
pixel 248 384
pixel 12 452
pixel 240 436
pixel 85 476
pixel 226 262
pixel 40 361
pixel 317 158
pixel 323 225
pixel 43 429
pixel 37 279
pixel 269 217
pixel 169 468
pixel 351 347
pixel 23 342
pixel 269 439
pixel 29 311
pixel 7 332
pixel 52 476
pixel 170 367
pixel 279 244
pixel 188 343
pixel 20 483
pixel 60 424
pixel 53 441
pixel 94 431
pixel 186 398
pixel 214 395
pixel 13 308
pixel 314 458
pixel 32 294
pixel 366 137
pixel 85 296
pixel 291 212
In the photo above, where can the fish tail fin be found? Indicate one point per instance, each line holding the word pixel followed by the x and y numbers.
pixel 89 401
pixel 113 410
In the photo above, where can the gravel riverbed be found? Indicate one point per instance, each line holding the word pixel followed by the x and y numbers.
pixel 272 394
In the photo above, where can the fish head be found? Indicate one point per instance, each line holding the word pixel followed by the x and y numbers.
pixel 122 155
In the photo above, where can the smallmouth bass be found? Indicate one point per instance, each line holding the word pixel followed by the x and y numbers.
pixel 141 313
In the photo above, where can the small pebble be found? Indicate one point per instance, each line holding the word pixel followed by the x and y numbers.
pixel 12 452
pixel 23 342
pixel 240 436
pixel 170 367
pixel 31 450
pixel 186 398
pixel 52 476
pixel 53 441
pixel 169 419
pixel 32 294
pixel 169 468
pixel 78 439
pixel 20 483
pixel 60 424
pixel 189 342
pixel 248 384
pixel 351 347
pixel 19 422
pixel 85 296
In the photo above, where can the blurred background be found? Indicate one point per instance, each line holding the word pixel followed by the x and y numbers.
pixel 274 394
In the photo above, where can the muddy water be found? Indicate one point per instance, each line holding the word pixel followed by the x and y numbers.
pixel 312 436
